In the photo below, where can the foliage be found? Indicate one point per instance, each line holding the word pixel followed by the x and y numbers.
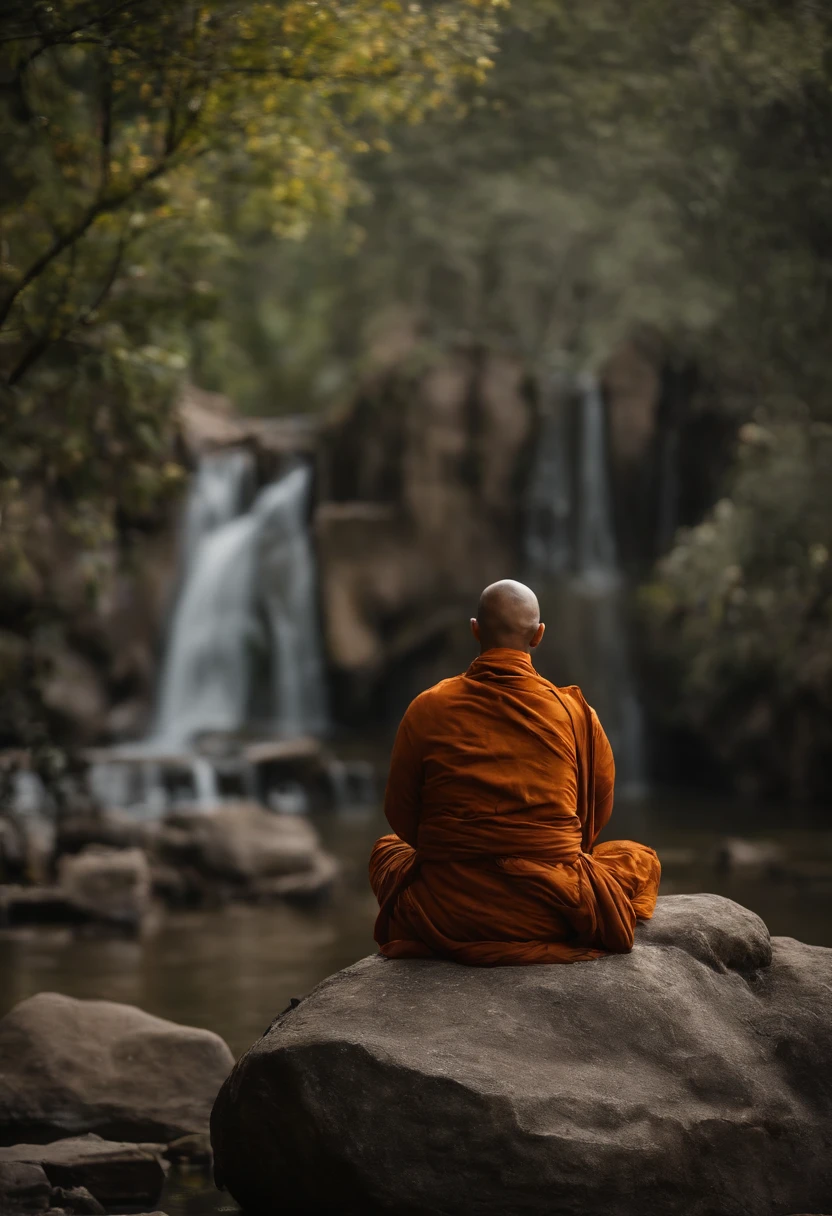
pixel 132 133
pixel 741 614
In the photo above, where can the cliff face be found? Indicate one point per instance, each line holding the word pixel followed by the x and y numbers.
pixel 420 492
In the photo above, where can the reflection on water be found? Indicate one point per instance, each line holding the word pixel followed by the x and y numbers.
pixel 192 1193
pixel 228 969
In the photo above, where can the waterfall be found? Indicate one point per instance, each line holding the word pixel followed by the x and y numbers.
pixel 243 646
pixel 595 556
pixel 549 500
pixel 571 550
pixel 288 590
pixel 223 488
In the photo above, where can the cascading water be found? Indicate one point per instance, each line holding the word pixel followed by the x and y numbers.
pixel 222 489
pixel 549 500
pixel 571 553
pixel 243 652
pixel 247 606
pixel 595 548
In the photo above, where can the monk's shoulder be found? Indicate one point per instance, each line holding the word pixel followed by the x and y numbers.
pixel 429 701
pixel 572 691
pixel 572 696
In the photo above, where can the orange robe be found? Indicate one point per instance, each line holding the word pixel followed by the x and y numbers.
pixel 499 786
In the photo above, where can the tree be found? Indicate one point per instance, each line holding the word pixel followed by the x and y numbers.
pixel 123 123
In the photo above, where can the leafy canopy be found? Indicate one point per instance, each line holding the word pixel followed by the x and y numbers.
pixel 120 123
pixel 130 131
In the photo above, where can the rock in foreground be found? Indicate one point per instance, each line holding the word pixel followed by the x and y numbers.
pixel 71 1067
pixel 690 1077
pixel 112 1173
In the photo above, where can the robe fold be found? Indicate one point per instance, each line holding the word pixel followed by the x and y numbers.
pixel 499 786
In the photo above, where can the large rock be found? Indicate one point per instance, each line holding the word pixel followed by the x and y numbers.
pixel 111 1172
pixel 689 1078
pixel 110 885
pixel 244 845
pixel 74 1066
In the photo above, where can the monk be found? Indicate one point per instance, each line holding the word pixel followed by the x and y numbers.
pixel 500 784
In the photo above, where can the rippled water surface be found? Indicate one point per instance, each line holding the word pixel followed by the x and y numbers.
pixel 232 969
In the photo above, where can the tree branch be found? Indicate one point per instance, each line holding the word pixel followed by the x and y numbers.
pixel 85 317
pixel 106 123
pixel 104 205
pixel 47 336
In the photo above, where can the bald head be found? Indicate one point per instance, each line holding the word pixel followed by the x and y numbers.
pixel 508 616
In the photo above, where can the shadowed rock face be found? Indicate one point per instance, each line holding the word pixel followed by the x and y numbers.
pixel 70 1067
pixel 692 1077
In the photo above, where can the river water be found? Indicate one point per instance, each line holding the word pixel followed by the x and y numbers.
pixel 232 969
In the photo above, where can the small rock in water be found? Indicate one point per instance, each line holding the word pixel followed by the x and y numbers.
pixel 77 1201
pixel 111 1171
pixel 194 1150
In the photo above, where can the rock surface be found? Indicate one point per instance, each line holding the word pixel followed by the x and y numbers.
pixel 73 1066
pixel 24 1187
pixel 692 1077
pixel 77 1200
pixel 246 846
pixel 111 1172
pixel 108 884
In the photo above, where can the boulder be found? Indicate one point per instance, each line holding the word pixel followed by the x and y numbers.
pixel 242 844
pixel 73 1066
pixel 688 1078
pixel 111 1172
pixel 110 885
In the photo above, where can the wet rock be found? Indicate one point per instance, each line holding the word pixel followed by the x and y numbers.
pixel 191 1150
pixel 110 1171
pixel 302 887
pixel 110 885
pixel 24 1188
pixel 114 829
pixel 76 1201
pixel 699 1065
pixel 21 907
pixel 246 846
pixel 73 1066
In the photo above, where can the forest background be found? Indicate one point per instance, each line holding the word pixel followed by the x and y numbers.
pixel 251 194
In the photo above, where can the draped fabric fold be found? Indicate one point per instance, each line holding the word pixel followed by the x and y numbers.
pixel 500 784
